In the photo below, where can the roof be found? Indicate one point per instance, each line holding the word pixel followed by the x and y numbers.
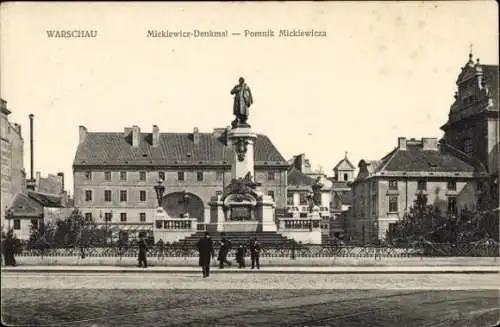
pixel 31 204
pixel 415 161
pixel 344 164
pixel 173 149
pixel 298 180
pixel 344 197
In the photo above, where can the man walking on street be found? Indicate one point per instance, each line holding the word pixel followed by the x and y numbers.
pixel 206 252
pixel 225 245
pixel 255 253
pixel 142 251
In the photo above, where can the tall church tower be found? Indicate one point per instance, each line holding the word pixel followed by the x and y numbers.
pixel 472 126
pixel 344 170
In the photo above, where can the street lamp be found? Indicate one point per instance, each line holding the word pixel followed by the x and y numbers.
pixel 159 189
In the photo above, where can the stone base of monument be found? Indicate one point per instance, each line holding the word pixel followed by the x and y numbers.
pixel 242 213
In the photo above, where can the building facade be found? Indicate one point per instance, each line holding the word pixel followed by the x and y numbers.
pixel 472 124
pixel 13 176
pixel 385 190
pixel 341 197
pixel 115 174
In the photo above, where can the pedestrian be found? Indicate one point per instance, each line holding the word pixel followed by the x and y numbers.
pixel 255 253
pixel 240 256
pixel 142 251
pixel 9 249
pixel 206 252
pixel 161 248
pixel 225 246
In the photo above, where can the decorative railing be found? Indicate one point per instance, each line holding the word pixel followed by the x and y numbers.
pixel 298 224
pixel 286 251
pixel 175 224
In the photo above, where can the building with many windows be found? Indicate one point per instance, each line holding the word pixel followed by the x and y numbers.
pixel 115 174
pixel 384 190
pixel 13 176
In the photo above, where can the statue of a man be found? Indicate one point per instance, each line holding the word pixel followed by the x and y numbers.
pixel 242 102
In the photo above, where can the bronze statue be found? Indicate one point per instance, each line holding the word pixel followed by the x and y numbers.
pixel 242 102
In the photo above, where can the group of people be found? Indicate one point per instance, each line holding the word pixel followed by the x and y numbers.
pixel 207 252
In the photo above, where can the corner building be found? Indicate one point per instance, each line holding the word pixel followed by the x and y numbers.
pixel 115 174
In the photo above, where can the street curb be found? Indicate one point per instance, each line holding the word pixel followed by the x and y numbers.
pixel 262 271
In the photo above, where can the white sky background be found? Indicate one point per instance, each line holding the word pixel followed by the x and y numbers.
pixel 385 70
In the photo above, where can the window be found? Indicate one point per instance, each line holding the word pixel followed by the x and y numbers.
pixel 17 224
pixel 303 198
pixel 142 196
pixel 88 195
pixel 270 176
pixel 422 185
pixel 452 204
pixel 393 185
pixel 108 216
pixel 107 175
pixel 34 223
pixel 88 175
pixel 289 199
pixel 159 224
pixel 271 194
pixel 123 196
pixel 374 205
pixel 161 175
pixel 219 175
pixel 142 216
pixel 180 176
pixel 199 176
pixel 123 217
pixel 142 175
pixel 346 177
pixel 123 175
pixel 88 216
pixel 452 185
pixel 468 146
pixel 107 195
pixel 393 203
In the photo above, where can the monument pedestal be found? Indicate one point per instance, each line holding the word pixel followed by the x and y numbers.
pixel 242 207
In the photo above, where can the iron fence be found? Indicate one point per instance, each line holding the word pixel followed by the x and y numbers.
pixel 290 251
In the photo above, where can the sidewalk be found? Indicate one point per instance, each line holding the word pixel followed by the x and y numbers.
pixel 263 270
pixel 265 261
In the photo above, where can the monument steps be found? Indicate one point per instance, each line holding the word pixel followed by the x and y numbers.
pixel 265 238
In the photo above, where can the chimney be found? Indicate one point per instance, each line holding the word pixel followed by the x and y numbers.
pixel 39 176
pixel 402 143
pixel 31 116
pixel 429 144
pixel 136 134
pixel 127 131
pixel 196 136
pixel 156 136
pixel 60 174
pixel 82 133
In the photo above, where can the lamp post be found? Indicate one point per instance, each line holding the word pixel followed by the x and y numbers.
pixel 159 189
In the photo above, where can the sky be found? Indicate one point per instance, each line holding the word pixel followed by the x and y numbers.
pixel 384 70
